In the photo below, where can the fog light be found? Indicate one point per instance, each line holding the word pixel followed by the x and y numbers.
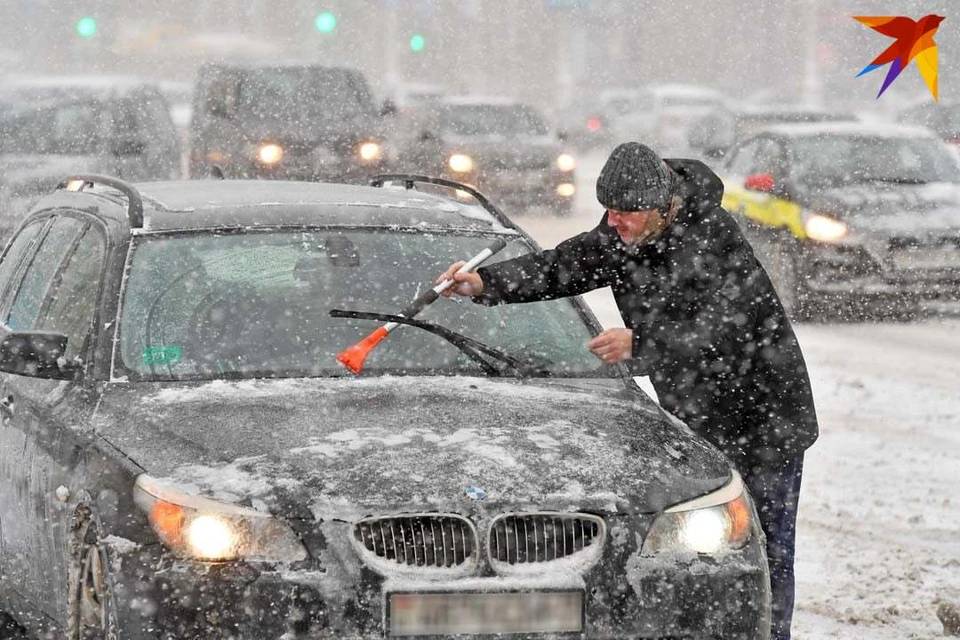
pixel 461 163
pixel 370 151
pixel 212 538
pixel 566 190
pixel 566 162
pixel 270 153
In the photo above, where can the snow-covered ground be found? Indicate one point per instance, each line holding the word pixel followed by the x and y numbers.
pixel 879 525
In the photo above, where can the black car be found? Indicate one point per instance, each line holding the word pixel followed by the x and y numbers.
pixel 503 147
pixel 290 121
pixel 182 456
pixel 843 213
pixel 50 126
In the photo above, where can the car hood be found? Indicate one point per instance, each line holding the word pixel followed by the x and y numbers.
pixel 27 175
pixel 302 131
pixel 893 210
pixel 507 153
pixel 353 447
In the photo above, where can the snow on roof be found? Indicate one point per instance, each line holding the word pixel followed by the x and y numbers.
pixel 476 100
pixel 678 89
pixel 93 82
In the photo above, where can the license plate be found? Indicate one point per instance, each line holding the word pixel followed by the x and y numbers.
pixel 413 614
pixel 926 259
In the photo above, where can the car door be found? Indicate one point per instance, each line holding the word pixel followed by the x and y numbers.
pixel 43 429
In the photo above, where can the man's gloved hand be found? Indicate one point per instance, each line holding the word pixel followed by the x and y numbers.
pixel 613 345
pixel 467 284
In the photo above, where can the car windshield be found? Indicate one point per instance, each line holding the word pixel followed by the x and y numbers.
pixel 838 160
pixel 257 304
pixel 492 120
pixel 298 93
pixel 65 128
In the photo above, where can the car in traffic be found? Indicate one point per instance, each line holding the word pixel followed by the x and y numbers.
pixel 942 117
pixel 290 121
pixel 716 132
pixel 50 126
pixel 663 114
pixel 587 122
pixel 503 147
pixel 849 213
pixel 182 455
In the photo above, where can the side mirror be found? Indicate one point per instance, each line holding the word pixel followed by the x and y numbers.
pixel 563 136
pixel 388 108
pixel 762 182
pixel 38 354
pixel 715 153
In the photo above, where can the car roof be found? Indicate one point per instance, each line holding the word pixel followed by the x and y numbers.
pixel 95 86
pixel 813 129
pixel 272 63
pixel 212 204
pixel 479 100
pixel 679 89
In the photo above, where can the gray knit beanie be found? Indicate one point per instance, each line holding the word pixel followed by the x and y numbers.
pixel 635 178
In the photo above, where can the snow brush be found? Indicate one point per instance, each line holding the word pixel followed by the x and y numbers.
pixel 352 357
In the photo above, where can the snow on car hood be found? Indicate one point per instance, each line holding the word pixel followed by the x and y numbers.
pixel 351 447
pixel 893 209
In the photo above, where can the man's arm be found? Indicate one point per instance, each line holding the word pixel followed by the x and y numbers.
pixel 575 266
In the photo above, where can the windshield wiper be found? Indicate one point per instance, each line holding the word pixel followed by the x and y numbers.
pixel 472 348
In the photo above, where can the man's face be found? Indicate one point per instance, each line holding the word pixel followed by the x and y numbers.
pixel 635 226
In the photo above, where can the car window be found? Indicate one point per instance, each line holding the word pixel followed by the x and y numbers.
pixel 50 126
pixel 743 160
pixel 257 304
pixel 72 298
pixel 14 256
pixel 307 92
pixel 768 158
pixel 491 119
pixel 849 159
pixel 41 272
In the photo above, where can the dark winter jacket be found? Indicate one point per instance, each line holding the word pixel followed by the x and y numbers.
pixel 708 327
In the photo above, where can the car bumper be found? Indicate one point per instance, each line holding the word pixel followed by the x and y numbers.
pixel 841 271
pixel 625 596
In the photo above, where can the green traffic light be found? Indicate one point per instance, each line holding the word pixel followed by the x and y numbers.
pixel 86 27
pixel 326 22
pixel 417 42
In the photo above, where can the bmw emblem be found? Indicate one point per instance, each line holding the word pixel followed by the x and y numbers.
pixel 475 492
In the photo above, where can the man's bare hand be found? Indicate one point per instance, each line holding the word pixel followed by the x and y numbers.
pixel 467 284
pixel 612 345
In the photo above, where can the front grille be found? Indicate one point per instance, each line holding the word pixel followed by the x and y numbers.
pixel 542 537
pixel 420 540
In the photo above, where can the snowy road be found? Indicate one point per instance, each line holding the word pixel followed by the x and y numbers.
pixel 879 528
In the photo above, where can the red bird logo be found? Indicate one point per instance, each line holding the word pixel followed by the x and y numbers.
pixel 914 40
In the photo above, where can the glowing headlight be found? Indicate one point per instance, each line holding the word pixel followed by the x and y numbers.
pixel 461 163
pixel 204 529
pixel 824 229
pixel 269 153
pixel 566 189
pixel 370 151
pixel 566 162
pixel 716 522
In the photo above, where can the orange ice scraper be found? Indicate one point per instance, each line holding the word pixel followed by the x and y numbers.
pixel 352 357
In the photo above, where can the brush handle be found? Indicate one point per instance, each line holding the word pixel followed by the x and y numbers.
pixel 428 297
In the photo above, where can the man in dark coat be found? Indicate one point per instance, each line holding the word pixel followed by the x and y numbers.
pixel 702 320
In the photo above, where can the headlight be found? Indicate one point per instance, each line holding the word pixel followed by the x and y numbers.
pixel 370 151
pixel 566 162
pixel 461 163
pixel 205 529
pixel 716 522
pixel 269 153
pixel 824 228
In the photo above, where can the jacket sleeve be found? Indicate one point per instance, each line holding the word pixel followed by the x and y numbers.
pixel 575 266
pixel 710 311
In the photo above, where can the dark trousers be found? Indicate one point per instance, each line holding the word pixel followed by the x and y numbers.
pixel 775 494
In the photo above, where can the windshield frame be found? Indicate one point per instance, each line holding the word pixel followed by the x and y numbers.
pixel 119 372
